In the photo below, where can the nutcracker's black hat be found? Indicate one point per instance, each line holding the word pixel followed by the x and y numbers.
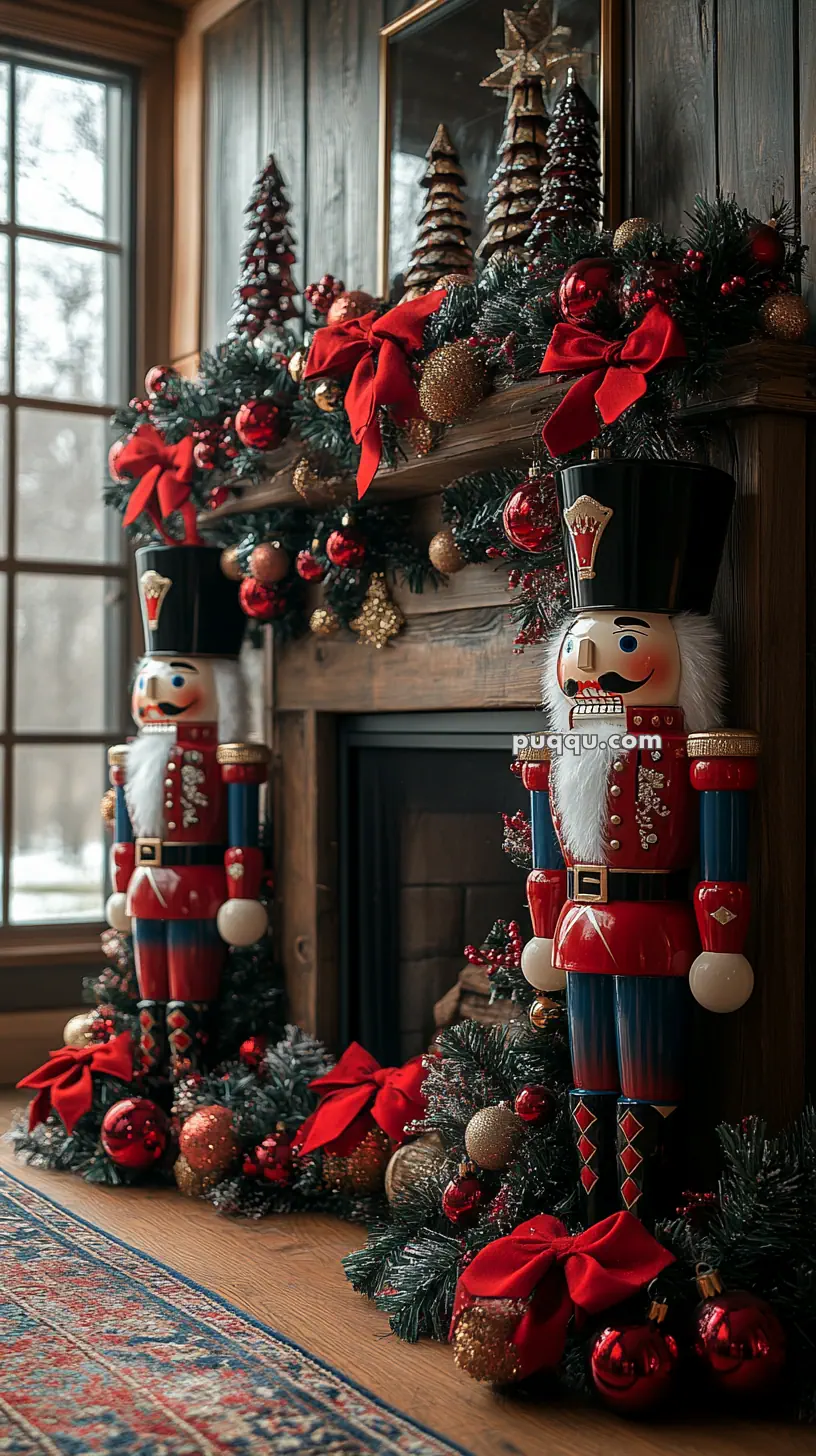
pixel 188 604
pixel 646 534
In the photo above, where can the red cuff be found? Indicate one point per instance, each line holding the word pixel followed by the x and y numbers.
pixel 723 910
pixel 724 773
pixel 123 858
pixel 536 775
pixel 245 869
pixel 546 893
pixel 244 773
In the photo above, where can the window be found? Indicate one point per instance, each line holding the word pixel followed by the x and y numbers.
pixel 65 294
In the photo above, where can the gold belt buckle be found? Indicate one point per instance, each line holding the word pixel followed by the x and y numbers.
pixel 149 852
pixel 590 884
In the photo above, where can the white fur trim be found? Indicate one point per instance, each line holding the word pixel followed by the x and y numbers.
pixel 144 782
pixel 702 671
pixel 233 711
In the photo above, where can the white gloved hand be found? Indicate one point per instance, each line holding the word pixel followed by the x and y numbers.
pixel 242 922
pixel 116 913
pixel 721 980
pixel 537 966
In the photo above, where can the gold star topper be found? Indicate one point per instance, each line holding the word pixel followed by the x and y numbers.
pixel 528 44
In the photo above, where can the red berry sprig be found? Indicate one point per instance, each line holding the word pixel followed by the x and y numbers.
pixel 505 950
pixel 694 260
pixel 321 295
pixel 733 285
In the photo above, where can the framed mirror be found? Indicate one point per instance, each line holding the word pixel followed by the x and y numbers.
pixel 433 60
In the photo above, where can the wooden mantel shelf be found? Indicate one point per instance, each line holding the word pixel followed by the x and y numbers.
pixel 759 376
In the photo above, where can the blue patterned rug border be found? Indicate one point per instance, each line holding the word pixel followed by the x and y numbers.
pixel 269 1334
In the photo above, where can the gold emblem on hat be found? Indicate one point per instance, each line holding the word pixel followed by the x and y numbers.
pixel 586 521
pixel 154 590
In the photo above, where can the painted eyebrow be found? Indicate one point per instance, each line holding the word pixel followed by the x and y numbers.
pixel 189 666
pixel 630 622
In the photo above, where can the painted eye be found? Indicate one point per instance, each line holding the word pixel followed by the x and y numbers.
pixel 627 643
pixel 177 680
pixel 568 645
pixel 140 684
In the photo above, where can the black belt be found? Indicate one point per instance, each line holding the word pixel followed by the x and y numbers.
pixel 155 853
pixel 596 884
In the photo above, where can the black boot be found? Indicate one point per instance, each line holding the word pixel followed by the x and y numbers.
pixel 648 1158
pixel 593 1128
pixel 152 1036
pixel 187 1035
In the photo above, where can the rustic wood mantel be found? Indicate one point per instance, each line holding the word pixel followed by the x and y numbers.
pixel 456 653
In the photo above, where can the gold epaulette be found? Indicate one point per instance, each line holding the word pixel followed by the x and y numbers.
pixel 533 755
pixel 724 743
pixel 233 753
pixel 117 756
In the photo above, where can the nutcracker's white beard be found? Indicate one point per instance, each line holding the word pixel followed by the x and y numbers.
pixel 578 780
pixel 148 753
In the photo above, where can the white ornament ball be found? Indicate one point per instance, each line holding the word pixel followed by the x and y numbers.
pixel 242 922
pixel 537 966
pixel 721 980
pixel 116 913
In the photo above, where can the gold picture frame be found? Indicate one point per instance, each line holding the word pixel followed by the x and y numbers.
pixel 610 112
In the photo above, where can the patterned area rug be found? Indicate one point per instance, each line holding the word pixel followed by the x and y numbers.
pixel 105 1350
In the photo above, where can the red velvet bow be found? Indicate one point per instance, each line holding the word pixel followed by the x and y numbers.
pixel 375 352
pixel 357 1092
pixel 560 1274
pixel 164 474
pixel 616 378
pixel 64 1081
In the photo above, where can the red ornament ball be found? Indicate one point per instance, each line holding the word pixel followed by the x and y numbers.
pixel 535 1105
pixel 113 455
pixel 269 563
pixel 272 1159
pixel 765 246
pixel 259 601
pixel 350 306
pixel 257 424
pixel 158 380
pixel 530 515
pixel 134 1134
pixel 462 1199
pixel 741 1341
pixel 308 567
pixel 252 1051
pixel 583 287
pixel 346 547
pixel 207 1139
pixel 633 1367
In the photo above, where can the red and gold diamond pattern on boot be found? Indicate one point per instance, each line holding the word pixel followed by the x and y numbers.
pixel 149 1041
pixel 585 1120
pixel 630 1159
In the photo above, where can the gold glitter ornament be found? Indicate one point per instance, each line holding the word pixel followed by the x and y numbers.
pixel 231 565
pixel 304 476
pixel 444 553
pixel 421 435
pixel 453 381
pixel 785 316
pixel 628 230
pixel 327 395
pixel 107 806
pixel 77 1029
pixel 492 1137
pixel 542 1011
pixel 361 1172
pixel 207 1140
pixel 379 618
pixel 324 622
pixel 482 1340
pixel 414 1160
pixel 191 1183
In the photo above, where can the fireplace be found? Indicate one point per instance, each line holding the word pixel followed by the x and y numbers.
pixel 422 871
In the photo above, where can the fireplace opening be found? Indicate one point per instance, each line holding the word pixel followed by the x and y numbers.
pixel 422 870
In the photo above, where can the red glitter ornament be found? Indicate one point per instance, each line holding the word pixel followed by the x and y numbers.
pixel 134 1134
pixel 252 1051
pixel 259 601
pixel 633 1367
pixel 257 424
pixel 346 547
pixel 463 1197
pixel 738 1338
pixel 158 380
pixel 272 1159
pixel 765 246
pixel 584 286
pixel 308 567
pixel 531 513
pixel 535 1105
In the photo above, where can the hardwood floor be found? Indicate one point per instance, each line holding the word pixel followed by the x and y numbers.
pixel 286 1272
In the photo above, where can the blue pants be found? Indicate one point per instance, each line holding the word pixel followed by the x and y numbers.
pixel 629 1034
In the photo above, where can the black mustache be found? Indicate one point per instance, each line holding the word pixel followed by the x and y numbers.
pixel 612 682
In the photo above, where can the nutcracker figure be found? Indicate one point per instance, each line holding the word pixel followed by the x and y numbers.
pixel 186 865
pixel 636 759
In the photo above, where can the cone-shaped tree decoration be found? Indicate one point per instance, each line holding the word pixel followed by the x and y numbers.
pixel 441 246
pixel 264 296
pixel 516 184
pixel 571 181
